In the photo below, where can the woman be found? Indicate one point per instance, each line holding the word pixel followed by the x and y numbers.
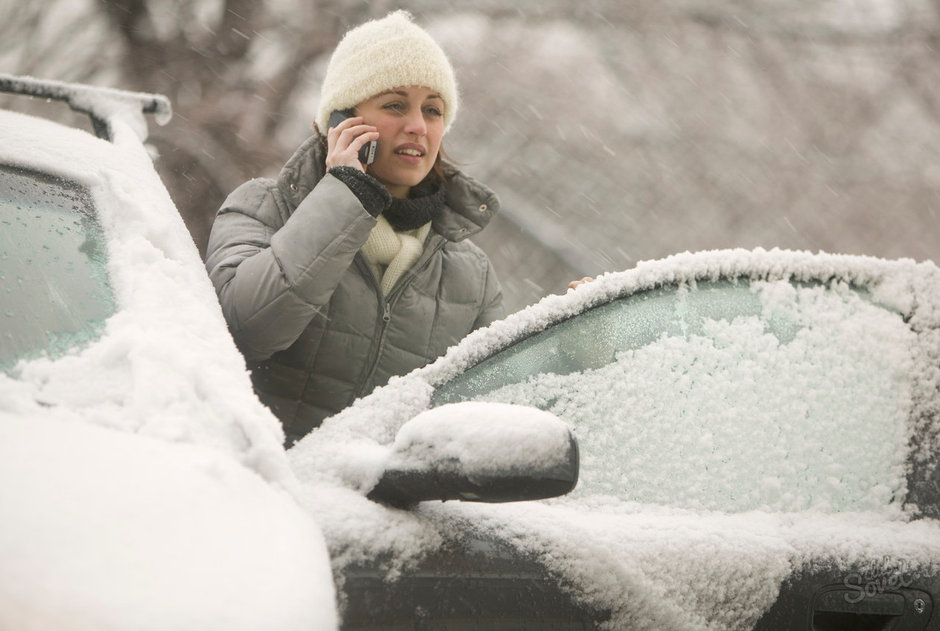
pixel 338 275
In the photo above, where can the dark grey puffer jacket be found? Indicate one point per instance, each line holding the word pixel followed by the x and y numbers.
pixel 307 311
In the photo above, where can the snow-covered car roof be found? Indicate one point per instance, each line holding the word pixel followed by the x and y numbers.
pixel 652 566
pixel 143 484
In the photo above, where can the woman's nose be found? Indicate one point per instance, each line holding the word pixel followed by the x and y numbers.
pixel 415 123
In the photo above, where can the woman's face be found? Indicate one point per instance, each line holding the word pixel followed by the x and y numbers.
pixel 410 124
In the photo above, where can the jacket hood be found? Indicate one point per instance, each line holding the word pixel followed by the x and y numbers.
pixel 469 204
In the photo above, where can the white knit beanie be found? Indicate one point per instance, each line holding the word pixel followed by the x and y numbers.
pixel 381 55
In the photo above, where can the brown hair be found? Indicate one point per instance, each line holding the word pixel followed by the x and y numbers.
pixel 443 166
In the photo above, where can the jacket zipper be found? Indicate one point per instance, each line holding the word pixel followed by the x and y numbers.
pixel 387 303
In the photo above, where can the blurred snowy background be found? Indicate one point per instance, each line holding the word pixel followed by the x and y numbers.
pixel 613 131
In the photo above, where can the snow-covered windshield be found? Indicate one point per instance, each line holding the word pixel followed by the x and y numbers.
pixel 755 395
pixel 53 275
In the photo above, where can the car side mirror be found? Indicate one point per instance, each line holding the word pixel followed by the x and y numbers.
pixel 480 452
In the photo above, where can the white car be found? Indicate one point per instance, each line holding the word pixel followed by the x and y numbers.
pixel 142 484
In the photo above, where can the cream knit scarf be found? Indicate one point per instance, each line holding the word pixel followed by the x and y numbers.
pixel 390 254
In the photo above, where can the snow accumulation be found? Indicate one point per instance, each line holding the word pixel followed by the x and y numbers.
pixel 734 418
pixel 143 485
pixel 106 529
pixel 644 538
pixel 165 358
pixel 479 438
pixel 103 103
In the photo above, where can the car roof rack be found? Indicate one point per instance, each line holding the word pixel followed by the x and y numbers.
pixel 101 104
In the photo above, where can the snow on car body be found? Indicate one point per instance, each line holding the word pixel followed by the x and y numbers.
pixel 759 436
pixel 142 483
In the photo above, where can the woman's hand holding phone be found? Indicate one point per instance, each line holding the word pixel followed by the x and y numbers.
pixel 344 140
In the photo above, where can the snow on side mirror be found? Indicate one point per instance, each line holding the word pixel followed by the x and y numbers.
pixel 480 452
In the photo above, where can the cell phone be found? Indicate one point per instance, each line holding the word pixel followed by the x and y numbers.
pixel 367 151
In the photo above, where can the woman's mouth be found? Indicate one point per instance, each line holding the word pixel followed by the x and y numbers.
pixel 410 153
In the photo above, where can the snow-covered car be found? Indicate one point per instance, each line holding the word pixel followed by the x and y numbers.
pixel 759 441
pixel 142 484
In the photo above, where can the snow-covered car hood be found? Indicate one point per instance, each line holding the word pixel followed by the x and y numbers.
pixel 653 566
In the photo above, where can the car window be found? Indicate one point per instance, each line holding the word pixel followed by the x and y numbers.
pixel 729 396
pixel 53 280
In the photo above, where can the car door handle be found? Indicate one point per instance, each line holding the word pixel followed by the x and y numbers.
pixel 854 608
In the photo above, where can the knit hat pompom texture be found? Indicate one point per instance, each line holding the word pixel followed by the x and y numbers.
pixel 381 55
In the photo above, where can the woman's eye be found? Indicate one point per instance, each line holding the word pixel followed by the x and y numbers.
pixel 394 106
pixel 433 111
